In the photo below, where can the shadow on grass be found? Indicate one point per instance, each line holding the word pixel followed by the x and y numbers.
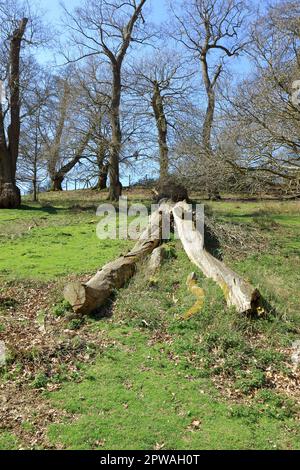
pixel 80 208
pixel 8 302
pixel 106 311
pixel 212 243
pixel 48 209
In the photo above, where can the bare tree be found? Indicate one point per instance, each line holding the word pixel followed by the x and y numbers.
pixel 32 166
pixel 20 26
pixel 162 85
pixel 93 83
pixel 9 143
pixel 263 116
pixel 66 129
pixel 211 30
pixel 109 28
pixel 53 144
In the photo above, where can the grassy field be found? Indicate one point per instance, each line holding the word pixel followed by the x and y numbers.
pixel 137 375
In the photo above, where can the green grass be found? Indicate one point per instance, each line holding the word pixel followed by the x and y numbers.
pixel 47 243
pixel 160 374
pixel 8 441
pixel 135 397
pixel 50 252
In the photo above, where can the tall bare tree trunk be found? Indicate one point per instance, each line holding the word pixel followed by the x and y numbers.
pixel 208 122
pixel 35 161
pixel 213 190
pixel 162 127
pixel 115 189
pixel 115 25
pixel 10 196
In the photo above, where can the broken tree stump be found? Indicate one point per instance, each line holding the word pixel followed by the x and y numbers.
pixel 238 292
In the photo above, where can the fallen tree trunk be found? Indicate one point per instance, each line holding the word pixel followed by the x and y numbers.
pixel 86 298
pixel 237 291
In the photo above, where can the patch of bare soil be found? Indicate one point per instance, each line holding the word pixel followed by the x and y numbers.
pixel 288 383
pixel 27 415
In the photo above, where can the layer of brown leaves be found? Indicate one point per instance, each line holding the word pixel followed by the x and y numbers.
pixel 37 343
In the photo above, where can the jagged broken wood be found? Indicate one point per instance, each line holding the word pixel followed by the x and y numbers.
pixel 238 292
pixel 86 298
pixel 156 259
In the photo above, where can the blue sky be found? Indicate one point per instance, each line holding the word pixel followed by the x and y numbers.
pixel 53 13
pixel 159 12
pixel 54 10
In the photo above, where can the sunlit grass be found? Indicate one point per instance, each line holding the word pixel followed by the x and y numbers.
pixel 158 375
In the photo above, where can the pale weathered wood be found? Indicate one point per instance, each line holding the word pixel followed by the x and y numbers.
pixel 88 297
pixel 85 298
pixel 238 292
pixel 156 259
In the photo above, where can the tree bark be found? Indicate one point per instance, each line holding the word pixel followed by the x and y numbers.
pixel 56 182
pixel 213 191
pixel 86 298
pixel 58 177
pixel 162 127
pixel 10 196
pixel 156 260
pixel 115 189
pixel 102 166
pixel 238 293
pixel 102 177
pixel 210 109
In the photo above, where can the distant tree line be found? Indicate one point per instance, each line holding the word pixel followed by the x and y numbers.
pixel 210 98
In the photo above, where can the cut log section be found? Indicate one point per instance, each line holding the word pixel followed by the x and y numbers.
pixel 238 292
pixel 156 259
pixel 86 298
